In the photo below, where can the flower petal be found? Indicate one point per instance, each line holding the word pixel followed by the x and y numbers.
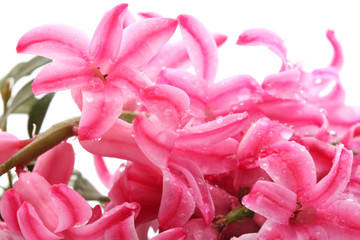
pixel 100 111
pixel 201 47
pixel 200 190
pixel 10 203
pixel 264 37
pixel 118 142
pixel 32 226
pixel 273 230
pixel 169 104
pixel 196 229
pixel 271 200
pixel 102 171
pixel 67 74
pixel 106 42
pixel 235 94
pixel 10 144
pixel 260 135
pixel 117 223
pixel 55 42
pixel 71 207
pixel 34 189
pixel 215 159
pixel 143 39
pixel 290 165
pixel 194 87
pixel 174 234
pixel 177 204
pixel 338 58
pixel 211 132
pixel 334 183
pixel 156 142
pixel 57 164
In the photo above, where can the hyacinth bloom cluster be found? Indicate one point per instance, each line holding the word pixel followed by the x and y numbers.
pixel 206 158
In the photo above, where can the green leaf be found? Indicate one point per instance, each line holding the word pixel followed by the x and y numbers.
pixel 23 96
pixel 24 69
pixel 38 112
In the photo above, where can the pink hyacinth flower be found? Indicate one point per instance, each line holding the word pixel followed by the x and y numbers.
pixel 97 70
pixel 10 144
pixel 295 204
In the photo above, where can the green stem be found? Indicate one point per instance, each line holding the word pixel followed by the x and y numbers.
pixel 237 214
pixel 42 143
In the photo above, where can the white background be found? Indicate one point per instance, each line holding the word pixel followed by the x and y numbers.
pixel 302 24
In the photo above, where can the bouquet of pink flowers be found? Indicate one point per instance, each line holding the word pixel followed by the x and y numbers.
pixel 204 158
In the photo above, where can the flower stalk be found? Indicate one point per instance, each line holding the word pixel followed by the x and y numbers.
pixel 41 143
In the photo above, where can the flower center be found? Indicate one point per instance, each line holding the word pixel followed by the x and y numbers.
pixel 96 72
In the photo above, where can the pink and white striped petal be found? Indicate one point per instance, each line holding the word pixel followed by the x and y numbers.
pixel 211 132
pixel 57 164
pixel 290 165
pixel 65 74
pixel 143 39
pixel 168 103
pixel 334 183
pixel 55 42
pixel 72 208
pixel 156 142
pixel 177 204
pixel 201 47
pixel 99 112
pixel 106 42
pixel 32 226
pixel 272 200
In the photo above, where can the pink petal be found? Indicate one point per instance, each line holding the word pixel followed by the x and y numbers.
pixel 235 94
pixel 177 204
pixel 71 207
pixel 211 132
pixel 284 85
pixel 117 223
pixel 260 135
pixel 174 234
pixel 201 47
pixel 290 165
pixel 100 111
pixel 129 79
pixel 334 183
pixel 34 189
pixel 301 113
pixel 67 74
pixel 57 164
pixel 106 42
pixel 274 230
pixel 215 159
pixel 194 87
pixel 102 171
pixel 96 214
pixel 200 190
pixel 55 42
pixel 264 37
pixel 143 39
pixel 271 200
pixel 156 142
pixel 197 229
pixel 118 142
pixel 169 104
pixel 10 144
pixel 32 226
pixel 220 39
pixel 338 58
pixel 142 184
pixel 150 15
pixel 10 203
